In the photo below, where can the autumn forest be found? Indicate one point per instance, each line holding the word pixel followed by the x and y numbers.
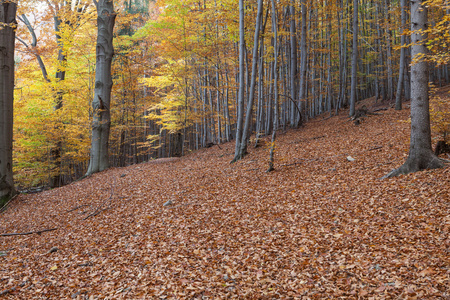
pixel 218 149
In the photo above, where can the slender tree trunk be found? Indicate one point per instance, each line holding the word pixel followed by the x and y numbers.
pixel 275 83
pixel 246 132
pixel 390 79
pixel 293 64
pixel 303 63
pixel 354 59
pixel 240 108
pixel 7 37
pixel 398 99
pixel 421 155
pixel 106 16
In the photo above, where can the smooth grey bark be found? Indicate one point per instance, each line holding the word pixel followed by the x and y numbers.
pixel 390 80
pixel 23 18
pixel 275 86
pixel 99 159
pixel 398 99
pixel 241 92
pixel 354 59
pixel 248 118
pixel 7 37
pixel 420 156
pixel 303 64
pixel 293 62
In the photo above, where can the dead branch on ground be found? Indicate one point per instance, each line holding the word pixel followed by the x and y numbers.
pixel 99 208
pixel 28 233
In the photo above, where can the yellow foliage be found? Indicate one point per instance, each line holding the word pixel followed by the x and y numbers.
pixel 440 113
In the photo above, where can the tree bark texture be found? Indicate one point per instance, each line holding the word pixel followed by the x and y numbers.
pixel 7 37
pixel 99 159
pixel 241 93
pixel 275 86
pixel 354 59
pixel 248 118
pixel 421 156
pixel 303 63
pixel 398 99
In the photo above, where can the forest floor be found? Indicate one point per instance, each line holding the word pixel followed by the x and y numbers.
pixel 319 226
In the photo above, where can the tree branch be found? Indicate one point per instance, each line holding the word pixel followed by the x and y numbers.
pixel 27 233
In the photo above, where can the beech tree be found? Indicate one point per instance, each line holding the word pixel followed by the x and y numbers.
pixel 245 132
pixel 99 158
pixel 7 37
pixel 398 99
pixel 241 93
pixel 420 156
pixel 354 59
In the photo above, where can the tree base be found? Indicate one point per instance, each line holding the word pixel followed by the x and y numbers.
pixel 415 165
pixel 4 200
pixel 239 157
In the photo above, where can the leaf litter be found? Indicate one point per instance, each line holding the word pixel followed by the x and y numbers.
pixel 198 227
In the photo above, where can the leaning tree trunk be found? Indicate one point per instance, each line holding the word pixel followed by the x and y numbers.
pixel 421 156
pixel 99 159
pixel 7 38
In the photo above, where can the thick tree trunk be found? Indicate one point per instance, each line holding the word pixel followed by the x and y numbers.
pixel 99 159
pixel 421 156
pixel 354 59
pixel 7 38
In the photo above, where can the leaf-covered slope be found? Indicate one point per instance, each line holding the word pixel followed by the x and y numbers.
pixel 319 226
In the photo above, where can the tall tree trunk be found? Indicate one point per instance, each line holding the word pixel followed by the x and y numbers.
pixel 106 16
pixel 246 132
pixel 420 155
pixel 7 38
pixel 275 86
pixel 240 108
pixel 293 63
pixel 354 59
pixel 241 93
pixel 303 63
pixel 398 99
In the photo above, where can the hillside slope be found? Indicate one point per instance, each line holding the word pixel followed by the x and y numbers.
pixel 319 226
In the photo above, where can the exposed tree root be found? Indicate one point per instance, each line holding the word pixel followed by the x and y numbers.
pixel 415 165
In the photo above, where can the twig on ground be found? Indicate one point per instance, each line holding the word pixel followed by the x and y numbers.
pixel 99 208
pixel 27 233
pixel 375 148
pixel 75 208
pixel 7 291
